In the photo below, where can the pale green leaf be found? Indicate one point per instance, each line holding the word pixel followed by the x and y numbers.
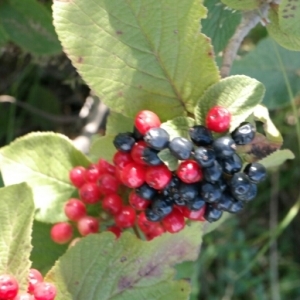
pixel 16 215
pixel 239 94
pixel 101 267
pixel 277 158
pixel 43 161
pixel 29 24
pixel 284 39
pixel 3 35
pixel 169 160
pixel 139 54
pixel 103 147
pixel 289 16
pixel 117 123
pixel 178 127
pixel 220 23
pixel 242 4
pixel 263 64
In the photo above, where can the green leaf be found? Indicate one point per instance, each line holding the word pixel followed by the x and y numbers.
pixel 3 35
pixel 169 160
pixel 29 24
pixel 277 158
pixel 117 123
pixel 102 147
pixel 284 39
pixel 101 267
pixel 43 161
pixel 242 5
pixel 289 16
pixel 239 94
pixel 178 127
pixel 144 54
pixel 220 23
pixel 16 215
pixel 45 252
pixel 262 64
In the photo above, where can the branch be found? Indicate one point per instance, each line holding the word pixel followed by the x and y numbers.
pixel 249 20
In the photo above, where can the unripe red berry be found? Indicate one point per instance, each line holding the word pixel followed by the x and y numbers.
pixel 137 152
pixel 92 173
pixel 126 217
pixel 105 167
pixel 108 184
pixel 88 225
pixel 44 291
pixel 146 120
pixel 74 209
pixel 133 175
pixel 61 233
pixel 174 222
pixel 144 224
pixel 112 203
pixel 189 171
pixel 9 287
pixel 34 277
pixel 90 193
pixel 137 202
pixel 218 119
pixel 77 176
pixel 158 177
pixel 115 230
pixel 158 230
pixel 121 159
pixel 194 215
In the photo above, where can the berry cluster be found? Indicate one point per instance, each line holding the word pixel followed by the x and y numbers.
pixel 139 190
pixel 37 288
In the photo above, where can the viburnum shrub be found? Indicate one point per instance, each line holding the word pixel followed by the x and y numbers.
pixel 180 150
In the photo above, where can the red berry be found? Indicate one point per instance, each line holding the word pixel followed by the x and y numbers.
pixel 24 296
pixel 174 222
pixel 137 152
pixel 112 203
pixel 92 173
pixel 8 287
pixel 61 233
pixel 105 167
pixel 155 232
pixel 74 209
pixel 126 217
pixel 90 193
pixel 145 225
pixel 115 230
pixel 44 291
pixel 108 184
pixel 34 278
pixel 194 215
pixel 189 171
pixel 137 202
pixel 77 176
pixel 133 175
pixel 88 225
pixel 158 177
pixel 218 119
pixel 146 120
pixel 121 159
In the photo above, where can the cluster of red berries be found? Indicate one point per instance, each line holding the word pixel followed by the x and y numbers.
pixel 37 288
pixel 139 190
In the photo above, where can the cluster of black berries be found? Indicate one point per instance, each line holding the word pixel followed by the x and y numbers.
pixel 209 178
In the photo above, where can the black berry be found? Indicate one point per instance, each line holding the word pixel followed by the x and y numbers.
pixel 231 164
pixel 239 185
pixel 236 207
pixel 124 141
pixel 212 214
pixel 204 157
pixel 211 193
pixel 157 138
pixel 226 201
pixel 152 216
pixel 197 203
pixel 150 157
pixel 146 192
pixel 181 148
pixel 136 134
pixel 161 206
pixel 244 134
pixel 201 135
pixel 224 147
pixel 213 173
pixel 256 172
pixel 188 191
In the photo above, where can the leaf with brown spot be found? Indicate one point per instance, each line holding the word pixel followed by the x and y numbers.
pixel 97 263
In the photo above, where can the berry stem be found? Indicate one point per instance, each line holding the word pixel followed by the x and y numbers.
pixel 137 233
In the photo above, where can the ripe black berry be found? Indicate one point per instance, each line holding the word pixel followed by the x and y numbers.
pixel 161 206
pixel 151 215
pixel 181 148
pixel 226 201
pixel 244 134
pixel 146 192
pixel 150 157
pixel 239 185
pixel 250 195
pixel 204 157
pixel 196 204
pixel 212 214
pixel 232 164
pixel 224 147
pixel 236 207
pixel 256 172
pixel 157 138
pixel 213 173
pixel 124 141
pixel 136 134
pixel 188 191
pixel 211 193
pixel 201 135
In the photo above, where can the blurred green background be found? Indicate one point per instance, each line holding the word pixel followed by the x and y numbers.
pixel 254 255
